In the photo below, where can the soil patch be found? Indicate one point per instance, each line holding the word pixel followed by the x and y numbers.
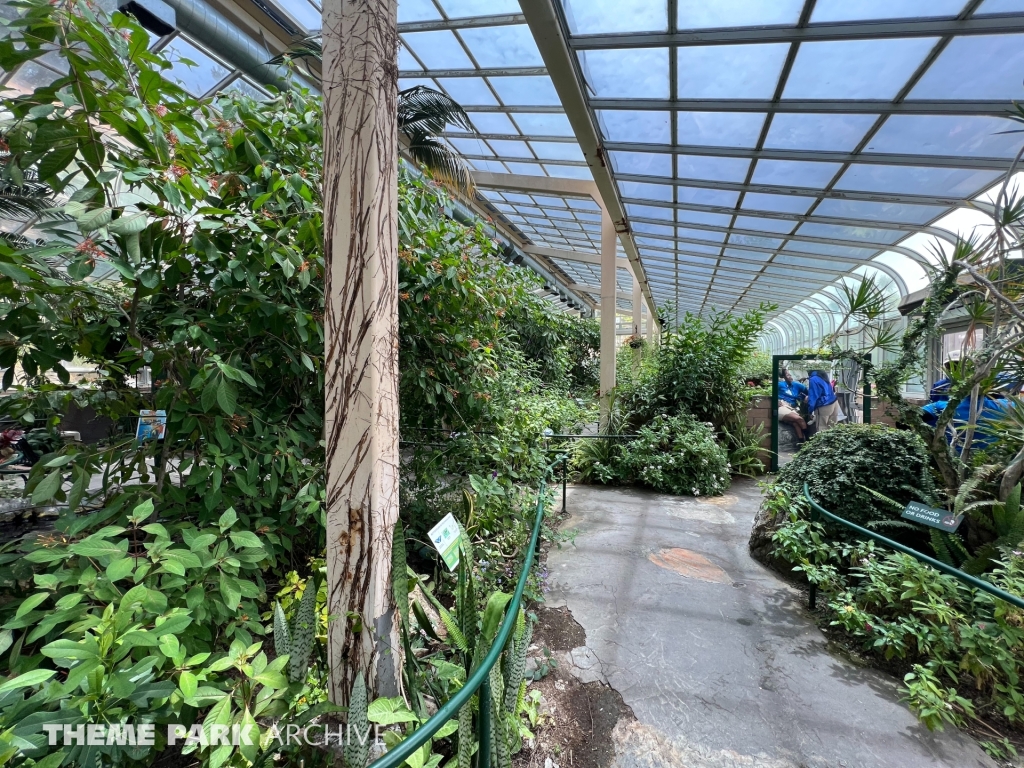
pixel 557 630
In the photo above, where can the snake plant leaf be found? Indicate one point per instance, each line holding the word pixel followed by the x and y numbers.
pixel 282 637
pixel 303 633
pixel 357 748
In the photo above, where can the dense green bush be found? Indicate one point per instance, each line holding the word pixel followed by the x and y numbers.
pixel 677 454
pixel 842 463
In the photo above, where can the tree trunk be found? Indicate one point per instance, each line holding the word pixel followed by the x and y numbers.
pixel 360 183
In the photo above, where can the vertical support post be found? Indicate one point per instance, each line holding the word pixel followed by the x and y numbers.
pixel 484 726
pixel 650 325
pixel 360 182
pixel 812 600
pixel 775 413
pixel 867 391
pixel 565 474
pixel 638 308
pixel 609 243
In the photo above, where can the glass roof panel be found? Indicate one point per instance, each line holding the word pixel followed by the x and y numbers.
pixel 632 73
pixel 832 250
pixel 653 229
pixel 730 71
pixel 492 166
pixel 648 211
pixel 457 9
pixel 856 10
pixel 412 82
pixel 830 133
pixel 470 146
pixel 544 123
pixel 511 148
pixel 760 201
pixel 439 49
pixel 644 191
pixel 899 213
pixel 721 197
pixel 712 168
pixel 307 14
pixel 798 173
pixel 527 169
pixel 416 10
pixel 492 122
pixel 588 17
pixel 719 129
pixel 702 14
pixel 197 79
pixel 855 69
pixel 636 126
pixel 701 217
pixel 700 234
pixel 525 90
pixel 406 61
pixel 960 135
pixel 982 67
pixel 507 46
pixel 851 233
pixel 645 163
pixel 557 150
pixel 915 180
pixel 755 241
pixel 469 91
pixel 780 226
pixel 568 171
pixel 1000 6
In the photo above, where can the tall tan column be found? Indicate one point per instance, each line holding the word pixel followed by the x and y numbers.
pixel 609 243
pixel 638 308
pixel 360 182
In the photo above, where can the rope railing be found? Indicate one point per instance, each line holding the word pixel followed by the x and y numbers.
pixel 956 573
pixel 479 679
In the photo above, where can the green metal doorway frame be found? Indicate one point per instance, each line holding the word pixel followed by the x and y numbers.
pixel 776 359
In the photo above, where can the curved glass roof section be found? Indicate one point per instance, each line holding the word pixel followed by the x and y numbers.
pixel 761 149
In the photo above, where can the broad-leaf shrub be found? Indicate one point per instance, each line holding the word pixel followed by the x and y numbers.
pixel 677 454
pixel 962 651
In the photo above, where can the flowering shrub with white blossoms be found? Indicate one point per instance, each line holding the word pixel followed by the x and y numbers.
pixel 677 454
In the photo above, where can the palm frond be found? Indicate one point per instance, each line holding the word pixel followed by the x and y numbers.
pixel 311 47
pixel 26 200
pixel 445 164
pixel 422 110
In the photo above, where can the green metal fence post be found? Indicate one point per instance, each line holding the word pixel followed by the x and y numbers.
pixel 565 472
pixel 813 599
pixel 867 392
pixel 484 723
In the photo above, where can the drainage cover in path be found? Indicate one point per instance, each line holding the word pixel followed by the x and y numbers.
pixel 689 564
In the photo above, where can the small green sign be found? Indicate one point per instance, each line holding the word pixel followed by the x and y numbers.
pixel 445 538
pixel 934 518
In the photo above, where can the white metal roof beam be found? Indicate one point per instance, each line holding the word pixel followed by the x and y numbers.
pixel 585 258
pixel 859 106
pixel 873 158
pixel 498 20
pixel 874 30
pixel 815 219
pixel 774 189
pixel 485 72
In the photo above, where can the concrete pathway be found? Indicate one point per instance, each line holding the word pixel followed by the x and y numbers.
pixel 713 652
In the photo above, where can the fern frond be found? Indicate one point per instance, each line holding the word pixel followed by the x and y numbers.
pixel 882 497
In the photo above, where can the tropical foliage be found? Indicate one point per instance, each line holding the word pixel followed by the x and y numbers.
pixel 181 581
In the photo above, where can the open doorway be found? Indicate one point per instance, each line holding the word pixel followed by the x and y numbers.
pixel 791 421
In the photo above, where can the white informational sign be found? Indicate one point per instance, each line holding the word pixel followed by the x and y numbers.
pixel 445 538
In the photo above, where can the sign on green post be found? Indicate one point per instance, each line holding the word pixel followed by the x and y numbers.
pixel 934 518
pixel 445 538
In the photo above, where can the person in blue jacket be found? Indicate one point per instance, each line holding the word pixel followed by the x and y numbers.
pixel 822 401
pixel 791 392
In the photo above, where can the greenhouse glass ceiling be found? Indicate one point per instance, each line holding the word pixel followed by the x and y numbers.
pixel 752 150
pixel 759 148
